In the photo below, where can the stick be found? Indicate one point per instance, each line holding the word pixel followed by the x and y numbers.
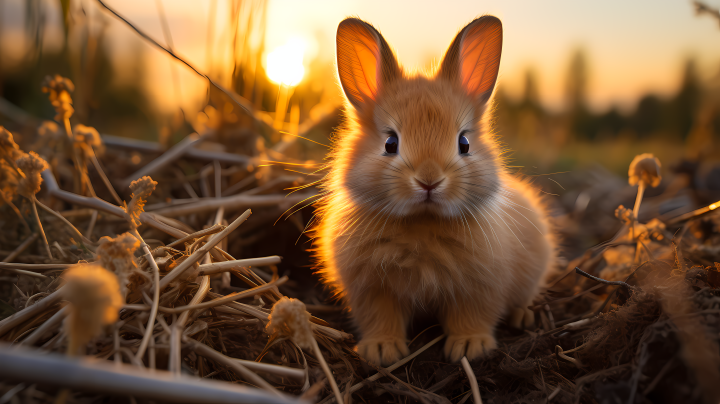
pixel 67 222
pixel 104 377
pixel 166 158
pixel 31 311
pixel 234 202
pixel 223 300
pixel 45 327
pixel 241 102
pixel 42 231
pixel 200 253
pixel 24 245
pixel 33 267
pixel 104 177
pixel 218 267
pixel 193 153
pixel 390 368
pixel 210 230
pixel 473 380
pixel 326 369
pixel 156 298
pixel 695 213
pixel 95 203
pixel 206 351
pixel 177 327
pixel 596 279
pixel 17 212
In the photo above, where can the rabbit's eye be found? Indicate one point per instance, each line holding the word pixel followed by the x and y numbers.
pixel 391 144
pixel 463 144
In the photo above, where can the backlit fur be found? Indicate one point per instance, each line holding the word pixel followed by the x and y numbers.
pixel 473 254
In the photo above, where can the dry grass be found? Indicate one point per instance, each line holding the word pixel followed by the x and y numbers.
pixel 197 300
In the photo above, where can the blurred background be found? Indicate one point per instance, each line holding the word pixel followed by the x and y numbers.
pixel 583 85
pixel 580 83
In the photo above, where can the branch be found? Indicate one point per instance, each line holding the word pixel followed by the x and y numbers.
pixel 702 8
pixel 120 379
pixel 596 279
pixel 241 102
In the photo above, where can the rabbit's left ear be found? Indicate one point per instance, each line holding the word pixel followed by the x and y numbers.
pixel 473 58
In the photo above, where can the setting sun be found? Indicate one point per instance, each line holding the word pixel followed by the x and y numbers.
pixel 284 65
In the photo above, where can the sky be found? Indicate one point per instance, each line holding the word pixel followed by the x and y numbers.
pixel 633 46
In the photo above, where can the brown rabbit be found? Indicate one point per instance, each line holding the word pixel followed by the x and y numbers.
pixel 419 211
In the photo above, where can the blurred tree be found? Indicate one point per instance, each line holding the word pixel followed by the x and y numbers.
pixel 531 96
pixel 648 114
pixel 580 119
pixel 682 108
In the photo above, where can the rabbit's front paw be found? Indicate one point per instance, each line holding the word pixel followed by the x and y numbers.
pixel 383 351
pixel 473 346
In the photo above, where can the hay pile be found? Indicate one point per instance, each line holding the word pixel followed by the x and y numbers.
pixel 196 275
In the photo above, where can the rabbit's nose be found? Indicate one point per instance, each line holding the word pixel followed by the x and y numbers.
pixel 429 187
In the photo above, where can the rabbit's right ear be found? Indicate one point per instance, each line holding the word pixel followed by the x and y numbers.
pixel 365 61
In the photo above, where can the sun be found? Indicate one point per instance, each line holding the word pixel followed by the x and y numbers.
pixel 284 65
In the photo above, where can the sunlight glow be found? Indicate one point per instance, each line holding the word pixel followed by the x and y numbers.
pixel 284 65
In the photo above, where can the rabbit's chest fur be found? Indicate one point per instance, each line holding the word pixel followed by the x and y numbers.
pixel 429 260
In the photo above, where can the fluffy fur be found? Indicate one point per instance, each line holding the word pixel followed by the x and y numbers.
pixel 473 249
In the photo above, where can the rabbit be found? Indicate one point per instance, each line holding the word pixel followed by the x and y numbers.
pixel 418 211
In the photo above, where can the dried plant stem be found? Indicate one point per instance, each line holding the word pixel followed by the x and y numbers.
pixel 218 267
pixel 91 225
pixel 81 169
pixel 95 203
pixel 125 380
pixel 694 214
pixel 562 354
pixel 473 380
pixel 105 180
pixel 16 210
pixel 226 299
pixel 24 245
pixel 596 279
pixel 638 201
pixel 48 325
pixel 200 253
pixel 210 230
pixel 166 158
pixel 326 369
pixel 206 351
pixel 33 201
pixel 156 298
pixel 179 324
pixel 29 312
pixel 27 273
pixel 234 202
pixel 32 267
pixel 390 368
pixel 67 222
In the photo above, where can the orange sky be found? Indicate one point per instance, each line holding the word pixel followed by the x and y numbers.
pixel 634 46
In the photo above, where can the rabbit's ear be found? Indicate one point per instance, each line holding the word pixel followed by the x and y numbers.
pixel 365 61
pixel 473 58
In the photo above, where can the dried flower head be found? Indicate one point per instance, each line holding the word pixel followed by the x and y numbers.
pixel 31 165
pixel 8 148
pixel 118 255
pixel 49 129
pixel 93 294
pixel 59 89
pixel 646 168
pixel 141 188
pixel 87 135
pixel 624 214
pixel 290 319
pixel 8 182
